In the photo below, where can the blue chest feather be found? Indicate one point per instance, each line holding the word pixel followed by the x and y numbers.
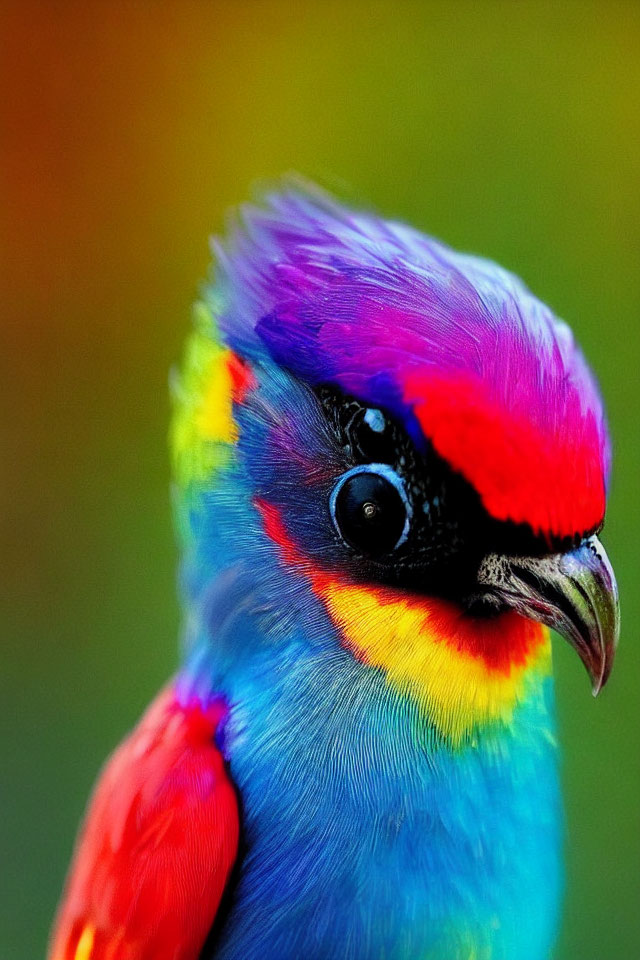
pixel 364 835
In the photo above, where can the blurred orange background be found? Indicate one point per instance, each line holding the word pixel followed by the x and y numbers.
pixel 509 129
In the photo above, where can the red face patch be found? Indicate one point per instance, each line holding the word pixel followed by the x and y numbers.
pixel 552 480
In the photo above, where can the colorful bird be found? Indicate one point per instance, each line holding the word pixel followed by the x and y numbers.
pixel 390 468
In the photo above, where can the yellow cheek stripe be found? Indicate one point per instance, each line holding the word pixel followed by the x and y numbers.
pixel 463 672
pixel 456 690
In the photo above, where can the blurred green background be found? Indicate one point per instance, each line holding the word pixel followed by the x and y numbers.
pixel 509 129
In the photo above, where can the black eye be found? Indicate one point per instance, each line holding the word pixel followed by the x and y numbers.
pixel 370 509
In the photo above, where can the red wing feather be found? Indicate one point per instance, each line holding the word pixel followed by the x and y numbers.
pixel 158 843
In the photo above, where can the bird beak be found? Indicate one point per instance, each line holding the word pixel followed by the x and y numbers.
pixel 575 593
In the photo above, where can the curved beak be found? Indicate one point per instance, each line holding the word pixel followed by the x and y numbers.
pixel 574 593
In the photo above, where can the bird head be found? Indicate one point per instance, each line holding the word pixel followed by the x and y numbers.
pixel 413 438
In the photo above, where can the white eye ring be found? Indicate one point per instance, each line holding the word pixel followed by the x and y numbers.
pixel 381 470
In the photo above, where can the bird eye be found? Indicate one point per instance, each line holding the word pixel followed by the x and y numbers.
pixel 370 509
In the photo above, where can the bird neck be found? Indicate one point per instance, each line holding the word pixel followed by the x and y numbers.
pixel 461 674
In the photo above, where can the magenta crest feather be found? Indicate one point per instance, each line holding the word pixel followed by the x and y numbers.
pixel 451 344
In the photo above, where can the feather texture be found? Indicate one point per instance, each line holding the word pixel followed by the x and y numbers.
pixel 395 757
pixel 453 344
pixel 158 844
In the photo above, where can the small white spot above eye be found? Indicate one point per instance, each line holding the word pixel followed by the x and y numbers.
pixel 375 420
